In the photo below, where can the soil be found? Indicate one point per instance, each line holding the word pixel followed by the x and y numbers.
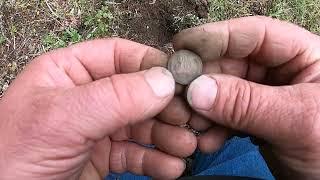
pixel 260 7
pixel 24 26
pixel 151 23
pixel 22 45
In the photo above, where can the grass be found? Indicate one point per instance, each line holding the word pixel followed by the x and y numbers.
pixel 95 23
pixel 187 21
pixel 67 37
pixel 2 40
pixel 29 28
pixel 98 24
pixel 225 9
pixel 302 12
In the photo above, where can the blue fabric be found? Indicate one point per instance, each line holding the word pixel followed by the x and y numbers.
pixel 238 157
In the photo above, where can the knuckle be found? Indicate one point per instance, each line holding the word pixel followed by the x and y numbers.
pixel 108 97
pixel 306 125
pixel 242 104
pixel 125 102
pixel 118 159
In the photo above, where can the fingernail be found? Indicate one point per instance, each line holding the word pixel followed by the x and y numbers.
pixel 202 93
pixel 161 81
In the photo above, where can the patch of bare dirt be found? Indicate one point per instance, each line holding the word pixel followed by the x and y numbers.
pixel 21 29
pixel 152 22
pixel 260 7
pixel 23 24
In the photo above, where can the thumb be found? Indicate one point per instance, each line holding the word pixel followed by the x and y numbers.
pixel 104 106
pixel 264 111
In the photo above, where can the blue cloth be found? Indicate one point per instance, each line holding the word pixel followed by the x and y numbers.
pixel 238 157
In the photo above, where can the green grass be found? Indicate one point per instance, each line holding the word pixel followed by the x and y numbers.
pixel 29 28
pixel 98 24
pixel 187 21
pixel 95 23
pixel 225 9
pixel 2 40
pixel 67 37
pixel 305 13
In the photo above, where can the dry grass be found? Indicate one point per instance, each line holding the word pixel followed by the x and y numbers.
pixel 29 28
pixel 302 12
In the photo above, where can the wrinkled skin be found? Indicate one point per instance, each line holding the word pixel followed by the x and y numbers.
pixel 75 112
pixel 262 78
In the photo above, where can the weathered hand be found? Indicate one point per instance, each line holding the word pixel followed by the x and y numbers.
pixel 76 113
pixel 271 90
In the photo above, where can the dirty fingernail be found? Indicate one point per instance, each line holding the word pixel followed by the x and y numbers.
pixel 202 93
pixel 161 81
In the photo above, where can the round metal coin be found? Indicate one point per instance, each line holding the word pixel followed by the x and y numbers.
pixel 185 66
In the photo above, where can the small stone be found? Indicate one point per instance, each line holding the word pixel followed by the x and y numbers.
pixel 185 66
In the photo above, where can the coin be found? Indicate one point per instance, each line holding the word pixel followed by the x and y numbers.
pixel 185 66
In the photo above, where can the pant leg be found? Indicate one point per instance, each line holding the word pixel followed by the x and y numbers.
pixel 126 176
pixel 238 157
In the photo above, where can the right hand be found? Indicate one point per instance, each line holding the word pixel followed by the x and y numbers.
pixel 272 90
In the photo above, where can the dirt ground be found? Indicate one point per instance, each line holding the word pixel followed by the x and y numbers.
pixel 155 23
pixel 30 28
pixel 25 24
pixel 149 22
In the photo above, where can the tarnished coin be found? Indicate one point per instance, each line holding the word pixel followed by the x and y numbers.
pixel 185 66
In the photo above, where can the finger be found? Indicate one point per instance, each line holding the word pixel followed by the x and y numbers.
pixel 174 140
pixel 308 75
pixel 237 67
pixel 179 89
pixel 131 157
pixel 213 140
pixel 89 173
pixel 102 58
pixel 100 157
pixel 139 133
pixel 263 41
pixel 199 123
pixel 272 113
pixel 176 113
pixel 104 106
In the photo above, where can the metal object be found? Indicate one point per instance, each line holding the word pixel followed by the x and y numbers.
pixel 185 66
pixel 189 128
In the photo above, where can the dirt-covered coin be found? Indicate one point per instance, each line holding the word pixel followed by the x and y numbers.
pixel 185 66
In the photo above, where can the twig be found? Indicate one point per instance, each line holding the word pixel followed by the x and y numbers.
pixel 112 3
pixel 14 42
pixel 153 2
pixel 51 10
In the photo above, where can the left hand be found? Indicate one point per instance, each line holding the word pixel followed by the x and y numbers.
pixel 76 113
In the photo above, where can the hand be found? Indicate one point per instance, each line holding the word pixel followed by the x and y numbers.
pixel 76 113
pixel 272 90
